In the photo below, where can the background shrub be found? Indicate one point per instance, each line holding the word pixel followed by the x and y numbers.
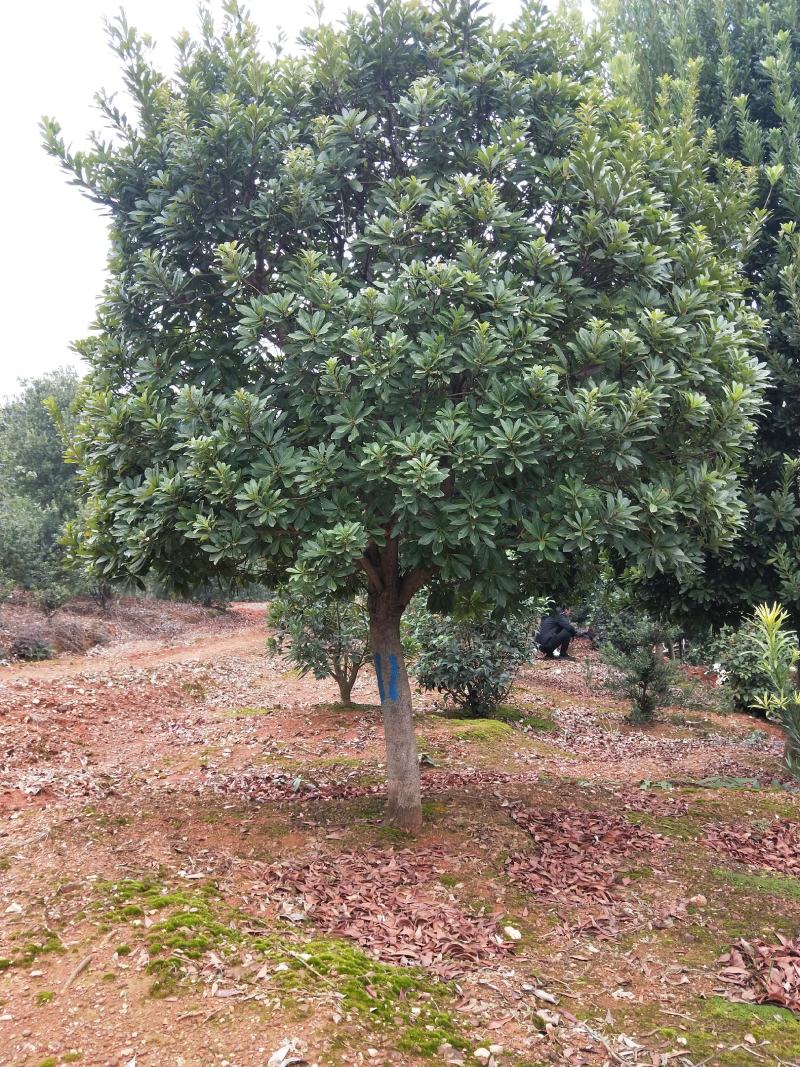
pixel 326 636
pixel 30 646
pixel 38 490
pixel 738 658
pixel 473 659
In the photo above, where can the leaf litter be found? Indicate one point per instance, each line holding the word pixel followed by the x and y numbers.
pixel 579 860
pixel 577 854
pixel 387 902
pixel 764 973
pixel 774 847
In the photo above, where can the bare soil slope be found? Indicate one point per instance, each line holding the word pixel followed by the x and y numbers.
pixel 194 871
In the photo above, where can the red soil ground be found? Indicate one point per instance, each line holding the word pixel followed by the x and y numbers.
pixel 194 869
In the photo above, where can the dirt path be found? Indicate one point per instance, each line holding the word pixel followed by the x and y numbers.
pixel 194 872
pixel 155 651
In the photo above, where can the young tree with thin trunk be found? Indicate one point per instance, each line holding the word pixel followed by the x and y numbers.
pixel 327 636
pixel 419 305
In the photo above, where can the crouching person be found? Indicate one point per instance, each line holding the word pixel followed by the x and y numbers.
pixel 555 633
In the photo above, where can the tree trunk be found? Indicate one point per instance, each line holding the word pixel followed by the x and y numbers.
pixel 345 690
pixel 404 805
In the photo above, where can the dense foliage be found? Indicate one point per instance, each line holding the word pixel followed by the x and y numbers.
pixel 327 636
pixel 32 461
pixel 37 488
pixel 736 655
pixel 780 656
pixel 633 647
pixel 741 60
pixel 473 660
pixel 30 554
pixel 422 303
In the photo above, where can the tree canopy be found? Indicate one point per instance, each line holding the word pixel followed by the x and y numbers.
pixel 420 304
pixel 31 447
pixel 37 488
pixel 741 62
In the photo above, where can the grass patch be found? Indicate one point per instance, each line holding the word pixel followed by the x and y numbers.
pixel 480 730
pixel 402 1003
pixel 523 719
pixel 248 713
pixel 776 885
pixel 34 943
pixel 45 996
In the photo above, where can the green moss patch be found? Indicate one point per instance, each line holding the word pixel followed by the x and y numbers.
pixel 679 827
pixel 636 874
pixel 31 945
pixel 776 885
pixel 480 730
pixel 409 1011
pixel 727 1023
pixel 194 689
pixel 249 713
pixel 197 922
pixel 523 719
pixel 715 1031
pixel 406 1007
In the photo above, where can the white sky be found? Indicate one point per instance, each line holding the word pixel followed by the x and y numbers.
pixel 53 58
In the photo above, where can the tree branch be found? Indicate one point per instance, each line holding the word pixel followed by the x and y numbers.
pixel 413 582
pixel 389 556
pixel 372 573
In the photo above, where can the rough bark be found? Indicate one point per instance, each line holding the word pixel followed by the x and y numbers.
pixel 345 690
pixel 390 591
pixel 403 804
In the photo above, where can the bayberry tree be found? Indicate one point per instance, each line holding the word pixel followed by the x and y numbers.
pixel 418 304
pixel 741 61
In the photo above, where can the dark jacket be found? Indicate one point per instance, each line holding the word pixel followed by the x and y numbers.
pixel 553 630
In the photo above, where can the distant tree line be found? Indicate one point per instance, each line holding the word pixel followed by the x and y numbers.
pixel 38 489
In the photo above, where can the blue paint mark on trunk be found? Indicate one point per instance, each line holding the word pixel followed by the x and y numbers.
pixel 394 674
pixel 379 676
